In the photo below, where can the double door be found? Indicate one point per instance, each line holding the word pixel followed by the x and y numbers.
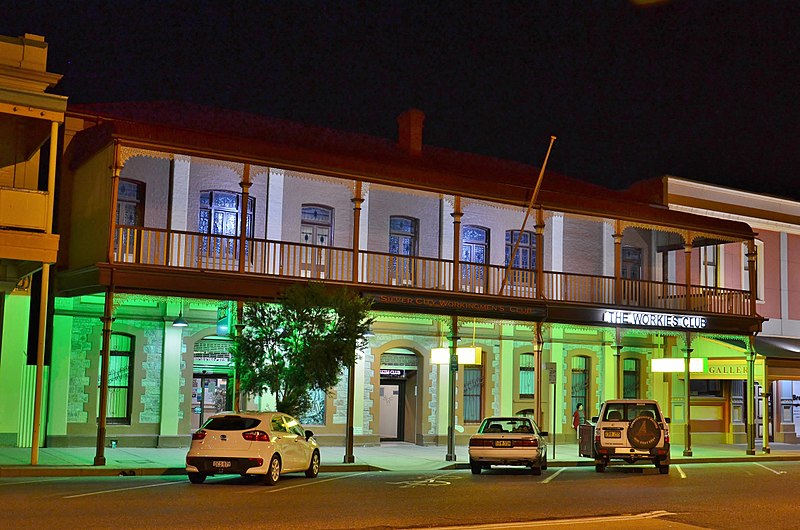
pixel 210 395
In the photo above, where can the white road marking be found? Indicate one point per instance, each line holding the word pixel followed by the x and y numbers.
pixel 683 475
pixel 438 480
pixel 304 484
pixel 554 475
pixel 598 521
pixel 770 469
pixel 102 492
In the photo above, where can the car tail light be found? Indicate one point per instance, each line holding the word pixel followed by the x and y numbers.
pixel 597 437
pixel 528 442
pixel 199 435
pixel 480 442
pixel 255 436
pixel 666 437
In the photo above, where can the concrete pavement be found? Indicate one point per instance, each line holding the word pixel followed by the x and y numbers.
pixel 389 456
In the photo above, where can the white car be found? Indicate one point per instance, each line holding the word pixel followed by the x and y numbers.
pixel 629 430
pixel 252 443
pixel 508 441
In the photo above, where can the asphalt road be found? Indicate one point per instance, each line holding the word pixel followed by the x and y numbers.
pixel 737 495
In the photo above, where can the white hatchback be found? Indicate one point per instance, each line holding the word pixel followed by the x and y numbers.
pixel 252 443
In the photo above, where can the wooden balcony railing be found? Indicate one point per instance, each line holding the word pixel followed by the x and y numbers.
pixel 191 250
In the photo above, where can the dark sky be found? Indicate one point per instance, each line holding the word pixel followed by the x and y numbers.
pixel 708 91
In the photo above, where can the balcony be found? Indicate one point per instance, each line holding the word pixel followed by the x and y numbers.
pixel 202 252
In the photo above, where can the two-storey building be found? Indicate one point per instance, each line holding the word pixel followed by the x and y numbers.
pixel 173 215
pixel 29 131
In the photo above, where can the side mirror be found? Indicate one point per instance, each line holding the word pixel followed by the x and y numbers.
pixel 542 433
pixel 666 420
pixel 309 434
pixel 594 419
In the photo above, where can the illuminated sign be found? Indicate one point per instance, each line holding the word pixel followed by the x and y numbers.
pixel 456 306
pixel 391 372
pixel 678 364
pixel 465 355
pixel 657 320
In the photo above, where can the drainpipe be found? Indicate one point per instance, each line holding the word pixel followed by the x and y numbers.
pixel 451 402
pixel 687 450
pixel 751 398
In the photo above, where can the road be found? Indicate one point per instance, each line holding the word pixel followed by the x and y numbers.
pixel 736 495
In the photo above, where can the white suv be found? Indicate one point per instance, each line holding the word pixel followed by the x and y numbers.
pixel 629 430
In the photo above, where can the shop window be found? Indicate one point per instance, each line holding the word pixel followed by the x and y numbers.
pixel 403 241
pixel 706 388
pixel 473 385
pixel 527 375
pixel 580 381
pixel 631 376
pixel 120 379
pixel 474 256
pixel 737 401
pixel 221 216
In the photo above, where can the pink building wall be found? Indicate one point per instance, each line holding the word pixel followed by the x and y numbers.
pixel 734 261
pixel 771 308
pixel 793 259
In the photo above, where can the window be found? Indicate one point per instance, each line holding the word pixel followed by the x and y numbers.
pixel 403 234
pixel 315 415
pixel 316 230
pixel 130 212
pixel 221 215
pixel 708 266
pixel 524 259
pixel 527 375
pixel 473 383
pixel 474 249
pixel 706 388
pixel 120 379
pixel 630 378
pixel 631 262
pixel 759 270
pixel 580 381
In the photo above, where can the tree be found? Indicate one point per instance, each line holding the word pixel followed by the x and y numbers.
pixel 302 343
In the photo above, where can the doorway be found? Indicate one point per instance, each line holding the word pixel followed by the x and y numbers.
pixel 392 416
pixel 210 395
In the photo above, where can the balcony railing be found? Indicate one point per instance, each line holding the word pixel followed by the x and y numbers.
pixel 191 250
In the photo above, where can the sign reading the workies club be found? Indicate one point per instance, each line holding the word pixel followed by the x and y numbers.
pixel 654 320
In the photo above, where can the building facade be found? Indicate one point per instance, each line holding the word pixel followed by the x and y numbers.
pixel 177 214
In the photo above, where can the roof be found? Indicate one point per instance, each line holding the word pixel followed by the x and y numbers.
pixel 185 128
pixel 778 347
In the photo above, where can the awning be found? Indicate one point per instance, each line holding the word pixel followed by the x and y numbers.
pixel 778 347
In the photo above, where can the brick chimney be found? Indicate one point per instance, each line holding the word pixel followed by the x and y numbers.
pixel 409 125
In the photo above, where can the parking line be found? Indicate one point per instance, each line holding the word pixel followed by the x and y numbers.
pixel 683 475
pixel 124 489
pixel 770 469
pixel 554 475
pixel 308 483
pixel 32 481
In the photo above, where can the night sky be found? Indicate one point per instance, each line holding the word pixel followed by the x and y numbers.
pixel 708 91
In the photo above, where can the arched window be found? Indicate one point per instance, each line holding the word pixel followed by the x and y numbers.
pixel 580 381
pixel 630 378
pixel 120 379
pixel 474 257
pixel 527 375
pixel 316 230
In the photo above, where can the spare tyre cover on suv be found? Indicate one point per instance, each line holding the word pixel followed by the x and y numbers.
pixel 644 433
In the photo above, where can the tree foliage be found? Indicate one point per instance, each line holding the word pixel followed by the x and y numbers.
pixel 302 343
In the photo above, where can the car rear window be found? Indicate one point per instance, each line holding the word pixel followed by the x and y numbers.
pixel 630 411
pixel 506 425
pixel 231 423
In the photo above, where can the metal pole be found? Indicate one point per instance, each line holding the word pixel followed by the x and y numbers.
pixel 99 458
pixel 349 457
pixel 751 401
pixel 451 404
pixel 554 422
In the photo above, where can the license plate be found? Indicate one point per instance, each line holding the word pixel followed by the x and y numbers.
pixel 502 443
pixel 612 434
pixel 221 463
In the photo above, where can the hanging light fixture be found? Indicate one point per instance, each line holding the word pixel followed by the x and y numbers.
pixel 180 322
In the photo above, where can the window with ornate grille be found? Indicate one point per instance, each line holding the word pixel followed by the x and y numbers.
pixel 630 378
pixel 527 375
pixel 473 385
pixel 580 381
pixel 120 379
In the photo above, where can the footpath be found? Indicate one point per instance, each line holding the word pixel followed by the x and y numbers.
pixel 389 456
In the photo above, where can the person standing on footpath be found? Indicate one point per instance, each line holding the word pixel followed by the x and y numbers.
pixel 578 419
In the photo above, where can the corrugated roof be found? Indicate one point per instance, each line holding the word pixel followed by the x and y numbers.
pixel 198 130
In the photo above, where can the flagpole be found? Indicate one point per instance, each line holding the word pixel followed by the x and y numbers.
pixel 525 219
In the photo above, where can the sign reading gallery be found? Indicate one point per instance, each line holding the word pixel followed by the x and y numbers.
pixel 654 320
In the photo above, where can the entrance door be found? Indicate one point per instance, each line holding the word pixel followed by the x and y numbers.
pixel 209 396
pixel 760 412
pixel 392 397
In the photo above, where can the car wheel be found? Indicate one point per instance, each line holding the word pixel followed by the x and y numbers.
pixel 600 468
pixel 544 462
pixel 197 478
pixel 475 467
pixel 273 471
pixel 664 469
pixel 313 467
pixel 536 470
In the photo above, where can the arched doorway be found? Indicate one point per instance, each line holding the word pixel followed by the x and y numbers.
pixel 399 395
